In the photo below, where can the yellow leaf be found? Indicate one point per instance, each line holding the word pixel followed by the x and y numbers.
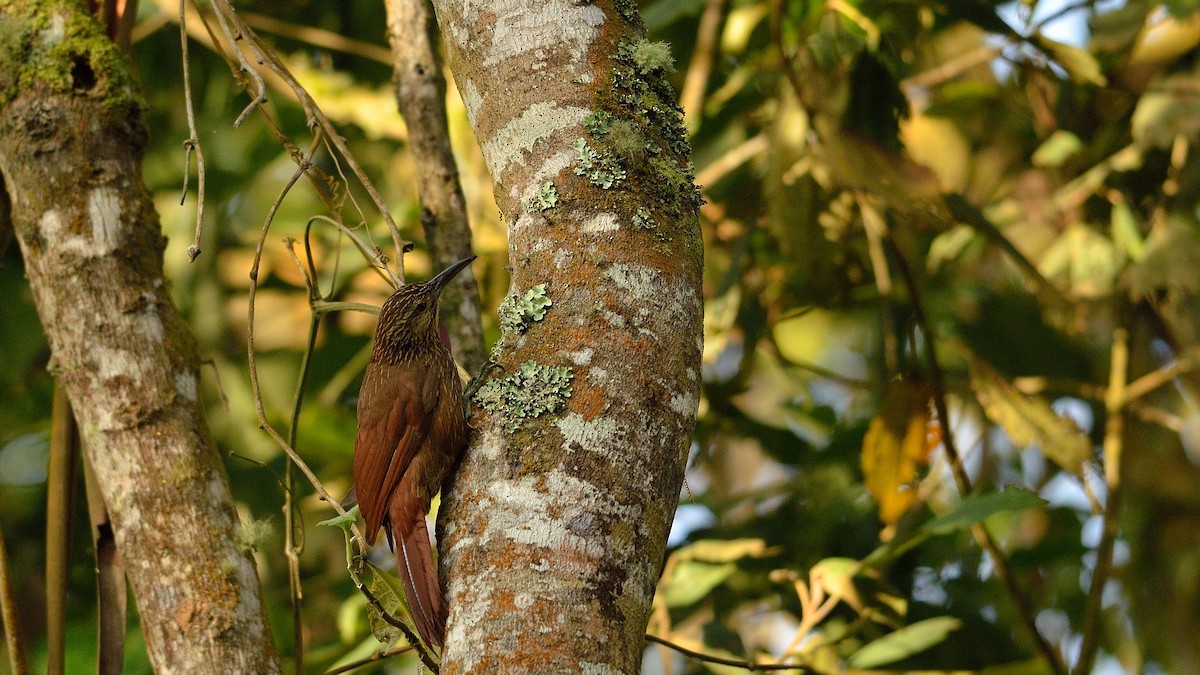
pixel 1028 420
pixel 894 448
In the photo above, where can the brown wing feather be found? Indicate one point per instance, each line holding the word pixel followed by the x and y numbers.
pixel 391 412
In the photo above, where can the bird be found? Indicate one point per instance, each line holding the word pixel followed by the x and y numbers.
pixel 412 430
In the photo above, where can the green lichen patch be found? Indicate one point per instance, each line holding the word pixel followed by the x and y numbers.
pixel 627 9
pixel 598 122
pixel 252 534
pixel 643 219
pixel 652 56
pixel 532 391
pixel 601 169
pixel 59 48
pixel 517 314
pixel 544 200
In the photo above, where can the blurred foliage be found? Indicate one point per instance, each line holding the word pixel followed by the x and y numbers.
pixel 1010 183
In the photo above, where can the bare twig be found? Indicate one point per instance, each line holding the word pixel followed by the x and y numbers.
pixel 1114 429
pixel 709 658
pixel 713 172
pixel 192 144
pixel 228 17
pixel 13 641
pixel 420 92
pixel 235 45
pixel 318 37
pixel 111 598
pixel 374 658
pixel 60 491
pixel 876 229
pixel 283 443
pixel 984 538
pixel 293 520
pixel 695 82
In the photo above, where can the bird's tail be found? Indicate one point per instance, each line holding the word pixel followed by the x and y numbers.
pixel 414 556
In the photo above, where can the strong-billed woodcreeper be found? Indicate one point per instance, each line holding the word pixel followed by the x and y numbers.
pixel 412 430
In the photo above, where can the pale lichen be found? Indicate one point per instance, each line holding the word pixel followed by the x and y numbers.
pixel 532 391
pixel 516 314
pixel 252 534
pixel 601 169
pixel 545 199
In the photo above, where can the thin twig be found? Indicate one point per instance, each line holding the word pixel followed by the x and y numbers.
pixel 420 90
pixel 695 82
pixel 738 155
pixel 318 37
pixel 374 658
pixel 876 230
pixel 235 45
pixel 217 382
pixel 226 13
pixel 60 492
pixel 111 599
pixel 709 658
pixel 13 641
pixel 192 144
pixel 1114 429
pixel 982 536
pixel 378 261
pixel 293 544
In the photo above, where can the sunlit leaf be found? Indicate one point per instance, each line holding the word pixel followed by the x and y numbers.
pixel 1170 110
pixel 949 245
pixel 904 643
pixel 936 143
pixel 692 580
pixel 739 25
pixel 1126 234
pixel 978 508
pixel 1057 149
pixel 1079 63
pixel 836 576
pixel 1086 257
pixel 1171 255
pixel 723 550
pixel 1028 420
pixel 894 449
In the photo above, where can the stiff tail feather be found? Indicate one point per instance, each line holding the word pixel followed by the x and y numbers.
pixel 414 556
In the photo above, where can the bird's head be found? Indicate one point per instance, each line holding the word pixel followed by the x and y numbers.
pixel 409 317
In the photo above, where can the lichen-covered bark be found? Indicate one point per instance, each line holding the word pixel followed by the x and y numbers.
pixel 71 142
pixel 555 527
pixel 421 97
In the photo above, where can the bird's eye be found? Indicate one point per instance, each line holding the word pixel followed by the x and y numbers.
pixel 422 307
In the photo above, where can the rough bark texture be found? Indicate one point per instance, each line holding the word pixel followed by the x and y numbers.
pixel 71 142
pixel 421 96
pixel 555 526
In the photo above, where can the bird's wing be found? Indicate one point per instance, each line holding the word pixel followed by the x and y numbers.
pixel 392 418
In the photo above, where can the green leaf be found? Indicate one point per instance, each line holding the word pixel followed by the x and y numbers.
pixel 723 550
pixel 343 521
pixel 904 643
pixel 1126 234
pixel 1054 151
pixel 693 580
pixel 389 591
pixel 977 508
pixel 666 12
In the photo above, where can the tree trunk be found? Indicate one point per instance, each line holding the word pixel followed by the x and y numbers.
pixel 71 142
pixel 421 96
pixel 556 524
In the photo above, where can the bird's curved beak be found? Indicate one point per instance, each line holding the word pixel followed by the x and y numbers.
pixel 439 282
